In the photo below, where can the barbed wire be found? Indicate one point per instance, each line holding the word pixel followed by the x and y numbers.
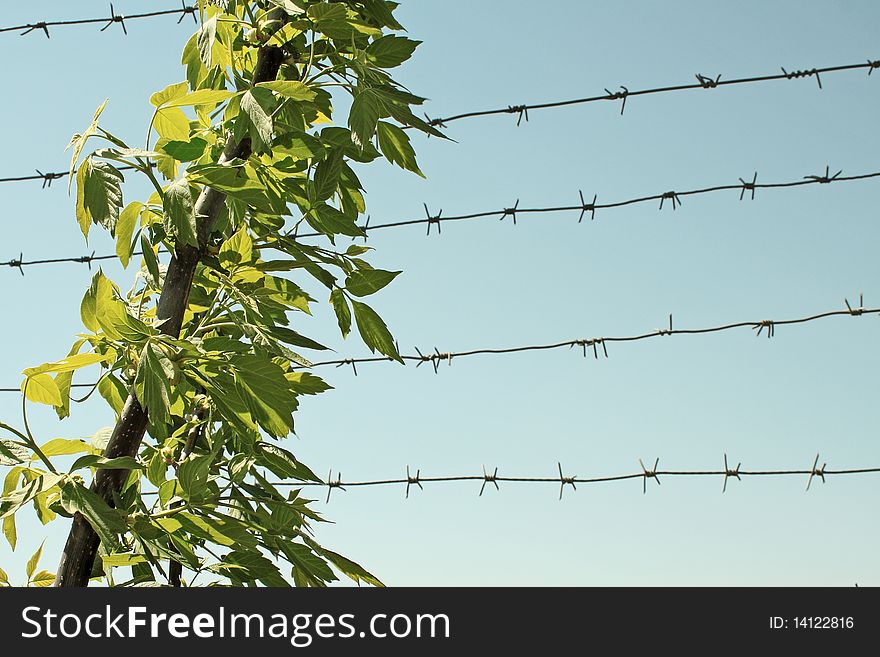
pixel 588 345
pixel 703 82
pixel 107 21
pixel 47 178
pixel 491 478
pixel 583 208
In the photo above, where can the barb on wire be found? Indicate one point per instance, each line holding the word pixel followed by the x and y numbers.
pixel 728 473
pixel 47 178
pixel 107 21
pixel 803 74
pixel 702 82
pixel 582 208
pixel 563 480
pixel 410 481
pixel 489 479
pixel 816 472
pixel 826 178
pixel 438 356
pixel 587 207
pixel 749 186
pixel 649 474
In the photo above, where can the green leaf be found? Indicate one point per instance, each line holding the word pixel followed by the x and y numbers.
pixel 291 337
pixel 34 560
pixel 68 364
pixel 390 51
pixel 221 529
pixel 348 567
pixel 293 89
pixel 395 146
pixel 43 579
pixel 10 532
pixel 168 94
pixel 238 249
pixel 113 391
pixel 193 476
pixel 200 97
pixel 4 578
pixel 111 314
pixel 172 124
pixel 260 123
pixel 41 389
pixel 79 141
pixel 366 110
pixel 64 447
pixel 313 566
pixel 365 282
pixel 12 502
pixel 327 175
pixel 151 383
pixel 125 230
pixel 103 193
pixel 340 307
pixel 283 463
pixel 185 151
pixel 373 331
pixel 250 566
pixel 180 217
pixel 205 39
pixel 106 521
pixel 12 454
pixel 262 385
pixel 330 221
pixel 122 559
pixel 103 463
pixel 83 216
pixel 150 261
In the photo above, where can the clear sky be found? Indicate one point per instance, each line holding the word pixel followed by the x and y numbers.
pixel 768 403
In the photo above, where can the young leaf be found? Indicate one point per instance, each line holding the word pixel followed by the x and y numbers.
pixel 34 560
pixel 395 146
pixel 180 218
pixel 373 331
pixel 366 109
pixel 106 521
pixel 152 383
pixel 185 151
pixel 390 51
pixel 79 141
pixel 365 282
pixel 259 121
pixel 125 230
pixel 41 389
pixel 103 193
pixel 205 40
pixel 10 532
pixel 262 385
pixel 340 307
pixel 238 249
pixel 293 89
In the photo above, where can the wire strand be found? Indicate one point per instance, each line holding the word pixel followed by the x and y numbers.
pixel 583 208
pixel 596 346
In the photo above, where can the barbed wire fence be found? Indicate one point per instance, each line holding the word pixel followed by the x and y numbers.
pixel 746 189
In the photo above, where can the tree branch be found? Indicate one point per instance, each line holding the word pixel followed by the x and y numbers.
pixel 82 544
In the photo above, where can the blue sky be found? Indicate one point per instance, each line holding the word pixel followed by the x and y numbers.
pixel 768 403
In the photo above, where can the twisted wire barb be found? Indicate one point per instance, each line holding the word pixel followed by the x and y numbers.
pixel 436 357
pixel 582 208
